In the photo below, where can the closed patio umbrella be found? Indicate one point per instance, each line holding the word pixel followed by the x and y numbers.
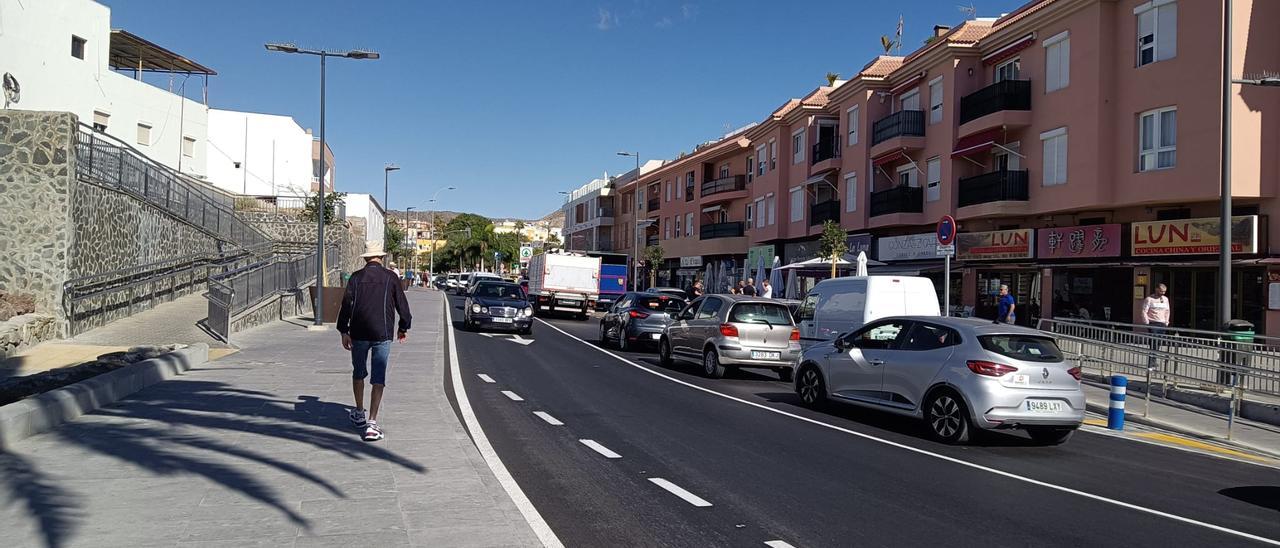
pixel 775 278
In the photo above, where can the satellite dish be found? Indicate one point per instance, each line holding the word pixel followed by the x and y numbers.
pixel 12 91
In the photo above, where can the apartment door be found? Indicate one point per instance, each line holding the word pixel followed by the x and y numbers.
pixel 911 100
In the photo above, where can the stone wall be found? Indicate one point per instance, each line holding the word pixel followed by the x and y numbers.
pixel 289 229
pixel 20 332
pixel 37 174
pixel 113 231
pixel 295 304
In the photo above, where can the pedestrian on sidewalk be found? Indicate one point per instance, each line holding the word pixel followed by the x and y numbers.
pixel 766 289
pixel 367 322
pixel 750 288
pixel 1156 313
pixel 1005 306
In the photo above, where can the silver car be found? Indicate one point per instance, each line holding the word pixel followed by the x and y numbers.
pixel 733 331
pixel 957 374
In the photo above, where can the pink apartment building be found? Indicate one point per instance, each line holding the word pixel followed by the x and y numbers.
pixel 1075 141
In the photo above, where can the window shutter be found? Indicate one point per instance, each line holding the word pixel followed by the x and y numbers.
pixel 1167 29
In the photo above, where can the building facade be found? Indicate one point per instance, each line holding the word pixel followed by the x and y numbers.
pixel 259 154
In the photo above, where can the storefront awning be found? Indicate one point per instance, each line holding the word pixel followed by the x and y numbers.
pixel 1008 51
pixel 889 158
pixel 977 143
pixel 712 209
pixel 817 179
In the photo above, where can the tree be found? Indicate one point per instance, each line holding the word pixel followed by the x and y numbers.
pixel 393 239
pixel 331 201
pixel 833 244
pixel 653 256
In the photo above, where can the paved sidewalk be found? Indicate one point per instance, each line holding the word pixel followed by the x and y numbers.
pixel 1188 420
pixel 255 450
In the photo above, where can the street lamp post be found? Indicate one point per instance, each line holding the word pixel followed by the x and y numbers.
pixel 320 217
pixel 433 227
pixel 635 264
pixel 386 176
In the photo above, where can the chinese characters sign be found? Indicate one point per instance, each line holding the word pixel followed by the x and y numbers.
pixel 1193 236
pixel 998 244
pixel 1078 242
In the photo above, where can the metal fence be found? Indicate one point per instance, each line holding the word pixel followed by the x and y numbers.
pixel 233 292
pixel 108 161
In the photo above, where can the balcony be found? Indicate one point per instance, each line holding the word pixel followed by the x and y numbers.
pixel 825 150
pixel 899 199
pixel 904 123
pixel 1003 104
pixel 989 190
pixel 651 240
pixel 724 189
pixel 654 204
pixel 604 212
pixel 823 212
pixel 720 230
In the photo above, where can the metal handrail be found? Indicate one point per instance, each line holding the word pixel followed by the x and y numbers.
pixel 1179 331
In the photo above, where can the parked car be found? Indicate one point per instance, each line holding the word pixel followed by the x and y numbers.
pixel 451 282
pixel 497 304
pixel 733 331
pixel 673 291
pixel 956 374
pixel 440 281
pixel 463 280
pixel 638 318
pixel 841 305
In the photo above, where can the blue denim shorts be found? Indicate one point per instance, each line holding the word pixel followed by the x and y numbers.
pixel 360 351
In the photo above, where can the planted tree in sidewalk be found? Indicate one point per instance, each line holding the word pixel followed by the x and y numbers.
pixel 331 201
pixel 833 244
pixel 653 256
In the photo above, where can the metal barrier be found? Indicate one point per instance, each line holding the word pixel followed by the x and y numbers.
pixel 236 291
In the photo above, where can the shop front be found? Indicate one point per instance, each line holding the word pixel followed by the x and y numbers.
pixel 917 255
pixel 1084 284
pixel 995 258
pixel 690 269
pixel 795 252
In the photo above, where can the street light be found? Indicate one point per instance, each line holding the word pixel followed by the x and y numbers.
pixel 320 218
pixel 386 171
pixel 433 227
pixel 635 268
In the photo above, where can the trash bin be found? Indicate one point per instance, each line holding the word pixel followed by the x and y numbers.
pixel 1237 340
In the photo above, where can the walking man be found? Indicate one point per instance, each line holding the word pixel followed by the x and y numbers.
pixel 766 289
pixel 1006 306
pixel 367 321
pixel 1156 313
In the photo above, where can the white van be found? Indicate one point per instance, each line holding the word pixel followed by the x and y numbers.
pixel 841 305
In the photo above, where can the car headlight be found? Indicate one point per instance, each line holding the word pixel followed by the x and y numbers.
pixel 484 310
pixel 475 308
pixel 525 312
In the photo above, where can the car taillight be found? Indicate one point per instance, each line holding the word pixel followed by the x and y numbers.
pixel 728 330
pixel 990 369
pixel 1075 372
pixel 795 334
pixel 637 315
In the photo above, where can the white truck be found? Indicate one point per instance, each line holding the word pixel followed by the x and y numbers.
pixel 564 282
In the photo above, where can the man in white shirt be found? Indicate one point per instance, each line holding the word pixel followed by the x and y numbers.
pixel 1156 314
pixel 766 289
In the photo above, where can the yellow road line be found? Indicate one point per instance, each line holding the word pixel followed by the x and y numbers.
pixel 1185 442
pixel 1096 422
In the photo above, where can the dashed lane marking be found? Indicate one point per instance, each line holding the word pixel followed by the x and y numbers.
pixel 547 417
pixel 779 544
pixel 485 378
pixel 512 395
pixel 600 449
pixel 681 492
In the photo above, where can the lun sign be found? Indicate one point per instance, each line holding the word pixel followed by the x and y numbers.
pixel 997 244
pixel 1193 236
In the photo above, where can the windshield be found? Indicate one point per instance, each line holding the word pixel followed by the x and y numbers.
pixel 1029 348
pixel 770 313
pixel 499 291
pixel 660 304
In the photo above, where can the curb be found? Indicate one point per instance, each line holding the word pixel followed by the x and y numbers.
pixel 40 414
pixel 1156 423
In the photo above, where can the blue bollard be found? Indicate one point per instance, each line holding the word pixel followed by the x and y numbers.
pixel 1115 414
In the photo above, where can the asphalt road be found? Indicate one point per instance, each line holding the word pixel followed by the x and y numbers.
pixel 747 465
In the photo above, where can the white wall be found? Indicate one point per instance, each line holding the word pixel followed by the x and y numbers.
pixel 35 47
pixel 278 161
pixel 366 206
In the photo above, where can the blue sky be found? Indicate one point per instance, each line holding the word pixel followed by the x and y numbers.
pixel 514 100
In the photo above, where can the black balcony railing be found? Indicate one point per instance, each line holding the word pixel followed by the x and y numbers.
pixel 1003 95
pixel 823 212
pixel 654 204
pixel 899 199
pixel 825 150
pixel 720 230
pixel 724 184
pixel 997 186
pixel 903 122
pixel 604 212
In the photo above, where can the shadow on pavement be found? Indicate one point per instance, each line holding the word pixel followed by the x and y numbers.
pixel 1266 496
pixel 199 428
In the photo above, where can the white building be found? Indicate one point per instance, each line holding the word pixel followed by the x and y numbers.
pixel 588 211
pixel 367 207
pixel 259 154
pixel 63 56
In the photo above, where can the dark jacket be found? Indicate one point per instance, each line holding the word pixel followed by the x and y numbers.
pixel 370 304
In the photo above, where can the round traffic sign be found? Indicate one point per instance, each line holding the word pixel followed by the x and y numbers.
pixel 946 230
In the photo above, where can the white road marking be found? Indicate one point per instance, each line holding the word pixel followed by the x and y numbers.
pixel 514 396
pixel 516 338
pixel 928 453
pixel 779 544
pixel 531 515
pixel 547 417
pixel 680 492
pixel 485 378
pixel 600 449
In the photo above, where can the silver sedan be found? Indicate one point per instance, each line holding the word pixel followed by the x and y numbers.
pixel 957 374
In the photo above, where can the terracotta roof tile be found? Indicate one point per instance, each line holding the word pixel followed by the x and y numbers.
pixel 786 108
pixel 1022 12
pixel 881 66
pixel 819 97
pixel 969 32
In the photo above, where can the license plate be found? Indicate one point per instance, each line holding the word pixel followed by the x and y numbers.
pixel 655 336
pixel 760 355
pixel 569 303
pixel 502 320
pixel 1044 406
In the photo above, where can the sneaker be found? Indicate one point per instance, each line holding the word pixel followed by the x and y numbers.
pixel 358 418
pixel 373 432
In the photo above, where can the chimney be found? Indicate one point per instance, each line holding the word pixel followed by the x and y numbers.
pixel 939 30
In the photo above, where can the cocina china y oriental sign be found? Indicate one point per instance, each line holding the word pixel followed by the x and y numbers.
pixel 1193 236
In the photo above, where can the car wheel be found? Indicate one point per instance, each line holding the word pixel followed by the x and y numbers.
pixel 1050 435
pixel 664 353
pixel 785 374
pixel 946 417
pixel 622 339
pixel 604 334
pixel 711 365
pixel 811 388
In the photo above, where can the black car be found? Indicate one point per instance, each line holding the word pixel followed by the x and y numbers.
pixel 639 318
pixel 498 304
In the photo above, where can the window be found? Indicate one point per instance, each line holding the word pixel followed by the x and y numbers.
pixel 1057 62
pixel 771 203
pixel 189 146
pixel 1055 156
pixel 751 169
pixel 1004 159
pixel 879 336
pixel 773 154
pixel 668 191
pixel 764 313
pixel 679 190
pixel 100 120
pixel 724 171
pixel 851 192
pixel 797 204
pixel 910 100
pixel 852 118
pixel 1157 31
pixel 688 186
pixel 77 47
pixel 797 147
pixel 749 217
pixel 933 188
pixel 144 134
pixel 925 337
pixel 935 100
pixel 907 176
pixel 1158 139
pixel 807 308
pixel 1028 348
pixel 679 224
pixel 1009 70
pixel 666 228
pixel 760 212
pixel 762 163
pixel 710 308
pixel 688 224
